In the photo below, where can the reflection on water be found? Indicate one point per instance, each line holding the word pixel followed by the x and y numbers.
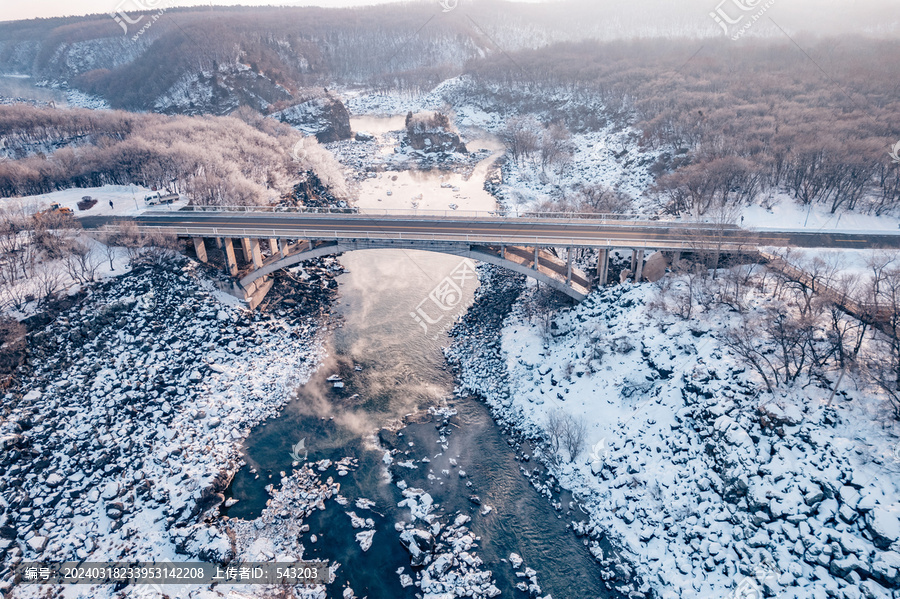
pixel 434 189
pixel 377 125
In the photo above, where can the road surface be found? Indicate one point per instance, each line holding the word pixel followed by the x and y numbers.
pixel 520 231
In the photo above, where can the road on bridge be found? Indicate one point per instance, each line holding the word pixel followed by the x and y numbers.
pixel 522 231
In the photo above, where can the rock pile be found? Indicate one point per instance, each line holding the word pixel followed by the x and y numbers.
pixel 128 420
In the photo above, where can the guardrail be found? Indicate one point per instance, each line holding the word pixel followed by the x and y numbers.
pixel 353 210
pixel 860 309
pixel 337 235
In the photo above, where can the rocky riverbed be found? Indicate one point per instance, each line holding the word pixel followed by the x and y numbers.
pixel 128 420
pixel 478 359
pixel 707 487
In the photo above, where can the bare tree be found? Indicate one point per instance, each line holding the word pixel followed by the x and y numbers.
pixel 884 360
pixel 554 429
pixel 564 432
pixel 574 436
pixel 48 279
pixel 82 260
pixel 153 247
pixel 744 341
pixel 110 249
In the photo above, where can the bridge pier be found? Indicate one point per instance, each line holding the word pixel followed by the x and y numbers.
pixel 568 266
pixel 230 260
pixel 603 267
pixel 255 253
pixel 200 249
pixel 274 249
pixel 639 261
pixel 536 250
pixel 245 249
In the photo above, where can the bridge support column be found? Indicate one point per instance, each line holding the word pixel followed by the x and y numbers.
pixel 255 253
pixel 602 267
pixel 536 250
pixel 274 249
pixel 283 247
pixel 568 266
pixel 200 249
pixel 676 256
pixel 219 242
pixel 245 248
pixel 503 252
pixel 230 260
pixel 639 265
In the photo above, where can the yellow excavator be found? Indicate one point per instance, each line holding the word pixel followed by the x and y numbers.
pixel 54 210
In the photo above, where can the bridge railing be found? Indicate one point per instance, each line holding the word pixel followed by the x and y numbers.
pixel 602 217
pixel 414 212
pixel 271 209
pixel 386 236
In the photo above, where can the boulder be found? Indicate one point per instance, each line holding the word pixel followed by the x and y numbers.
pixel 115 510
pixel 37 543
pixel 884 526
pixel 886 568
pixel 655 267
pixel 419 544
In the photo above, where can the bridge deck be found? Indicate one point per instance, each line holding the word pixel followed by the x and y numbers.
pixel 503 231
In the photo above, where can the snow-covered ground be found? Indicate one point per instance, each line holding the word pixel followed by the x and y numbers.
pixel 129 421
pixel 709 487
pixel 786 213
pixel 127 200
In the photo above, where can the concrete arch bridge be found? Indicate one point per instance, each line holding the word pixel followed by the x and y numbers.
pixel 269 241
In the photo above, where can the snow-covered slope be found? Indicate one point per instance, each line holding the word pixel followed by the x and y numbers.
pixel 129 421
pixel 710 487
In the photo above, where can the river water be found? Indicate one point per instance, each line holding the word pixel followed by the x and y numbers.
pixel 387 353
pixel 391 367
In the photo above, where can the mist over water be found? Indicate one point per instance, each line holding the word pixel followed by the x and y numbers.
pixel 389 365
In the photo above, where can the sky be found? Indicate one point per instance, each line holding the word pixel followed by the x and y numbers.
pixel 13 10
pixel 842 13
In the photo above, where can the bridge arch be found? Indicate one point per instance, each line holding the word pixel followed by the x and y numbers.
pixel 550 270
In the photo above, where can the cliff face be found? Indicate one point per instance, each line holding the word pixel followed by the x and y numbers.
pixel 323 115
pixel 432 133
pixel 436 141
pixel 220 92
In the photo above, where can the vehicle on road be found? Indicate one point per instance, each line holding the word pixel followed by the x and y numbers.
pixel 55 209
pixel 158 197
pixel 86 203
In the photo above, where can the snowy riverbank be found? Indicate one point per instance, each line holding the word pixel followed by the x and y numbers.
pixel 708 487
pixel 128 424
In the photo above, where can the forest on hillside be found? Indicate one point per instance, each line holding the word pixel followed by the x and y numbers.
pixel 273 51
pixel 235 160
pixel 732 121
